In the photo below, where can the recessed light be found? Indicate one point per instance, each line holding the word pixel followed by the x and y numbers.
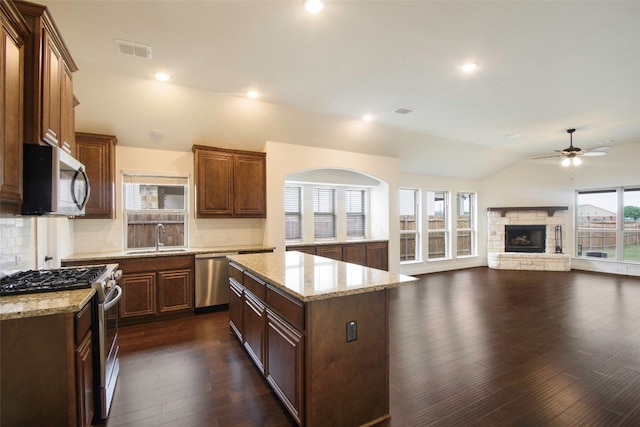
pixel 367 118
pixel 469 67
pixel 162 77
pixel 253 94
pixel 314 6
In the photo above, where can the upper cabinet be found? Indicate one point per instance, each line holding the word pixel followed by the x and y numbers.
pixel 229 183
pixel 98 154
pixel 13 32
pixel 48 83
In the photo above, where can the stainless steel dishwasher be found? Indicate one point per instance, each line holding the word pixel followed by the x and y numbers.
pixel 212 279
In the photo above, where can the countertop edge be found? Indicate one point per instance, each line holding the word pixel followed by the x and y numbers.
pixel 153 254
pixel 81 297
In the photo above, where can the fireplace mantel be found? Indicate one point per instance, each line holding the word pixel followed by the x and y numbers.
pixel 549 209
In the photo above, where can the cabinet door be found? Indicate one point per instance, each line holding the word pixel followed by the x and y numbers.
pixel 378 255
pixel 97 153
pixel 138 295
pixel 236 309
pixel 254 329
pixel 214 181
pixel 355 253
pixel 51 92
pixel 175 291
pixel 330 251
pixel 67 113
pixel 249 186
pixel 285 358
pixel 84 381
pixel 11 117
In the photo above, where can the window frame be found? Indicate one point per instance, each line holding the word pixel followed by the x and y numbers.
pixel 363 213
pixel 317 214
pixel 297 214
pixel 147 179
pixel 445 231
pixel 472 229
pixel 416 232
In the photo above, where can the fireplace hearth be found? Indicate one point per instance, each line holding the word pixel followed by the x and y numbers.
pixel 525 238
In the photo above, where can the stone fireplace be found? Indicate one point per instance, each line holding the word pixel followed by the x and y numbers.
pixel 523 238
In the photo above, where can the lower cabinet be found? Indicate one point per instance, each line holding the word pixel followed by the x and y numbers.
pixel 46 370
pixel 254 327
pixel 285 361
pixel 373 254
pixel 153 287
pixel 236 311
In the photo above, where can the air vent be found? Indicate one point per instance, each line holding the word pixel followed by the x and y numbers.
pixel 133 49
pixel 404 110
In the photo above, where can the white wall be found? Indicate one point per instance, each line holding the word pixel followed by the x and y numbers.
pixel 453 186
pixel 285 159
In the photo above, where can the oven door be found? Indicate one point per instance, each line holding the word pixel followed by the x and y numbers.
pixel 108 350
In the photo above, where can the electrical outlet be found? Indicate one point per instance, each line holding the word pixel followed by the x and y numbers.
pixel 19 259
pixel 352 331
pixel 110 244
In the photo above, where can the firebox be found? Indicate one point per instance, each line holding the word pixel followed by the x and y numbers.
pixel 525 238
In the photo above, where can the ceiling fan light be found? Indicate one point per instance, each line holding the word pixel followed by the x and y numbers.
pixel 577 161
pixel 566 162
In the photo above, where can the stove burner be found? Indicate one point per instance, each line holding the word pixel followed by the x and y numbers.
pixel 33 281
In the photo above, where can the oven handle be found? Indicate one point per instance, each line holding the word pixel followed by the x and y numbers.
pixel 109 305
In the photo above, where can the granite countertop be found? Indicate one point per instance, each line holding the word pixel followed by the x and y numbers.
pixel 335 242
pixel 309 277
pixel 168 252
pixel 44 303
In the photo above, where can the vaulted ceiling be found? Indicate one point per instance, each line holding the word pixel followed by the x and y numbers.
pixel 543 67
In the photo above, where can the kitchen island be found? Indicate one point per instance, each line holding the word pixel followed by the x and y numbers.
pixel 318 330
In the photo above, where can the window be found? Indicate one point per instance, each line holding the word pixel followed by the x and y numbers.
pixel 409 224
pixel 324 213
pixel 293 213
pixel 465 226
pixel 150 201
pixel 437 224
pixel 597 213
pixel 355 207
pixel 631 221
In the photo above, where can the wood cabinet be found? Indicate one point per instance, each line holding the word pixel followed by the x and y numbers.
pixel 153 288
pixel 322 378
pixel 84 366
pixel 48 82
pixel 374 254
pixel 330 251
pixel 13 33
pixel 98 154
pixel 46 370
pixel 229 183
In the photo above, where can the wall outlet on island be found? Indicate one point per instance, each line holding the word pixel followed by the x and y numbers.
pixel 352 331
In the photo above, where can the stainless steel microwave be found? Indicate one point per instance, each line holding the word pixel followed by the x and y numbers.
pixel 54 183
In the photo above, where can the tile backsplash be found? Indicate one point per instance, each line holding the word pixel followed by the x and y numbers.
pixel 17 244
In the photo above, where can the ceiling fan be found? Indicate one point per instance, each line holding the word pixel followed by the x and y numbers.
pixel 571 155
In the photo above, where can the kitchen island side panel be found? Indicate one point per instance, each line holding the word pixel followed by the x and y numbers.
pixel 347 383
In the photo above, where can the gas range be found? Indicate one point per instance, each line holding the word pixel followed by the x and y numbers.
pixel 100 277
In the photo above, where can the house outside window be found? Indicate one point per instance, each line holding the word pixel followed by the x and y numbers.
pixel 355 201
pixel 465 227
pixel 437 225
pixel 324 213
pixel 293 213
pixel 409 224
pixel 152 200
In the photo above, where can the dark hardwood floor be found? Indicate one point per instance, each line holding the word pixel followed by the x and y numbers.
pixel 475 347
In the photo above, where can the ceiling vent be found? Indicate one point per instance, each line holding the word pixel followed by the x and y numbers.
pixel 404 110
pixel 133 49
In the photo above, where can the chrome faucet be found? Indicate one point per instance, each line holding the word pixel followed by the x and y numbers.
pixel 159 233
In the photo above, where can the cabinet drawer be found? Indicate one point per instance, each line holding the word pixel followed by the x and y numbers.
pixel 138 265
pixel 255 285
pixel 83 321
pixel 286 307
pixel 236 273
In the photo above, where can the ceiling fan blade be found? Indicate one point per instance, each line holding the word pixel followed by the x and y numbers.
pixel 547 157
pixel 597 151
